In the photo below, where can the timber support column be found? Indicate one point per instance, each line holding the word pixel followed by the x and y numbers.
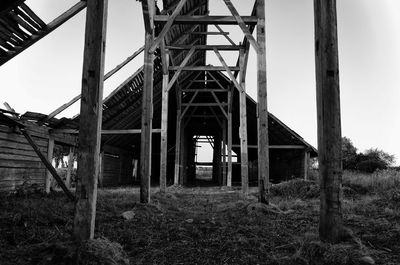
pixel 50 151
pixel 263 149
pixel 224 168
pixel 164 129
pixel 178 140
pixel 70 167
pixel 244 160
pixel 147 102
pixel 329 124
pixel 229 174
pixel 90 119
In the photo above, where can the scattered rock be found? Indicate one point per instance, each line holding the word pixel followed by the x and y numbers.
pixel 389 211
pixel 367 260
pixel 261 208
pixel 128 215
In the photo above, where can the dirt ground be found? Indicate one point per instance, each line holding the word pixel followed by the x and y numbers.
pixel 204 226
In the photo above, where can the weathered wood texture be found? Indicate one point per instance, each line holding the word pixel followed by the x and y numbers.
pixel 13 25
pixel 116 169
pixel 147 103
pixel 90 119
pixel 70 167
pixel 50 150
pixel 18 161
pixel 47 163
pixel 244 160
pixel 263 154
pixel 164 136
pixel 329 124
pixel 177 146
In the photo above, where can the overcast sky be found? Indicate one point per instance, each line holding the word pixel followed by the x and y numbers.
pixel 48 74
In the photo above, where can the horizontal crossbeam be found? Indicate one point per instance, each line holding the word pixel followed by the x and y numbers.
pixel 222 20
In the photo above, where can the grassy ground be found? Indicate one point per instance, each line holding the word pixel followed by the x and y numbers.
pixel 212 225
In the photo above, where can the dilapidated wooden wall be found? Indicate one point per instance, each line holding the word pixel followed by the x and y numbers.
pixel 18 161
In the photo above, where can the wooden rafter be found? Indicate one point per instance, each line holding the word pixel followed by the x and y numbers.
pixel 205 47
pixel 228 70
pixel 180 68
pixel 205 68
pixel 188 104
pixel 220 104
pixel 222 20
pixel 242 25
pixel 48 29
pixel 225 35
pixel 167 26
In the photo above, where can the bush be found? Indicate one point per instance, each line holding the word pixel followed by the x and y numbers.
pixel 371 160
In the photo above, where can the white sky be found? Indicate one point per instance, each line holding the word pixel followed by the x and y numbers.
pixel 48 74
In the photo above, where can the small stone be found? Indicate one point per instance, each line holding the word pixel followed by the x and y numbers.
pixel 128 215
pixel 367 260
pixel 203 222
pixel 189 221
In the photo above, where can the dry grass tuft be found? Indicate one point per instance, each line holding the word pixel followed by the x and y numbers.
pixel 381 181
pixel 102 251
pixel 296 188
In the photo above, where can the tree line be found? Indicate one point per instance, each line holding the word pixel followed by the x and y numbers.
pixel 368 161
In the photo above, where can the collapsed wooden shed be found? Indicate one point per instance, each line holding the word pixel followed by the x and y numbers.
pixel 19 162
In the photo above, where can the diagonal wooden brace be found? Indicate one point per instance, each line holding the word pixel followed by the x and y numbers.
pixel 167 26
pixel 235 82
pixel 242 25
pixel 179 70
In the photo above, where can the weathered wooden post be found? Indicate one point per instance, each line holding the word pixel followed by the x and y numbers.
pixel 90 119
pixel 329 125
pixel 244 160
pixel 178 141
pixel 164 128
pixel 70 167
pixel 50 151
pixel 263 149
pixel 229 174
pixel 147 102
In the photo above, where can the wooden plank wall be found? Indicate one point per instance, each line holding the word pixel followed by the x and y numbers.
pixel 117 169
pixel 284 165
pixel 18 160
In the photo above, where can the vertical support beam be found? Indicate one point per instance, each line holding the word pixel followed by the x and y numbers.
pixel 121 168
pixel 70 167
pixel 263 150
pixel 164 128
pixel 244 163
pixel 229 174
pixel 329 124
pixel 101 168
pixel 50 150
pixel 217 158
pixel 183 153
pixel 90 119
pixel 148 7
pixel 178 141
pixel 224 136
pixel 306 163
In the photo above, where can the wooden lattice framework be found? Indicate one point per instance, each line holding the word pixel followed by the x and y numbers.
pixel 20 27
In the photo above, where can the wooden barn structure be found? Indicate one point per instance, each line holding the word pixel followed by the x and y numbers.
pixel 177 96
